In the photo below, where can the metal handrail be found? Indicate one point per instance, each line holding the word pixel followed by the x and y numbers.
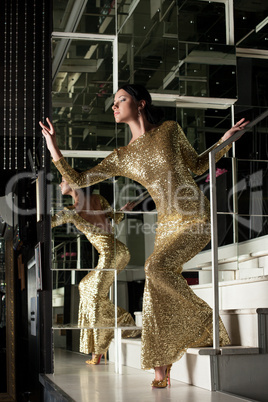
pixel 214 226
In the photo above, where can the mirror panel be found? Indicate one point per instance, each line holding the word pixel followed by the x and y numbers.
pixel 94 17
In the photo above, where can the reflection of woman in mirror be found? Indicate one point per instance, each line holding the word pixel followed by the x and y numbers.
pixel 91 214
pixel 160 158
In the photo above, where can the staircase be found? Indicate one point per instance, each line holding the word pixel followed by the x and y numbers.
pixel 243 367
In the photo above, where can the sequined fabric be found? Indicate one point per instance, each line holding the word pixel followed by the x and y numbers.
pixel 162 160
pixel 95 308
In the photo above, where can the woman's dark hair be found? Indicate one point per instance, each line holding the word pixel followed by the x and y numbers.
pixel 139 92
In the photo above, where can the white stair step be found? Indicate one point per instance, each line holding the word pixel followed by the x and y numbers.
pixel 238 294
pixel 225 350
pixel 193 368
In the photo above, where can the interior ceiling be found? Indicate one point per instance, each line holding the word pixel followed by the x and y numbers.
pixel 157 47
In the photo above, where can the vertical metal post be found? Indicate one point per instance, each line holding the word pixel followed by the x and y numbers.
pixel 229 18
pixel 115 87
pixel 234 182
pixel 115 64
pixel 117 340
pixel 116 350
pixel 214 249
pixel 78 261
pixel 119 350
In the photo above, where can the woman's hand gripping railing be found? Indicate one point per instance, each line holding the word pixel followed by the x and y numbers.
pixel 214 228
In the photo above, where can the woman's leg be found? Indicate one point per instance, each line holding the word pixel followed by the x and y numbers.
pixel 96 310
pixel 174 318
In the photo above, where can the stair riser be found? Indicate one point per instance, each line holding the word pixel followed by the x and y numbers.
pixel 242 328
pixel 191 368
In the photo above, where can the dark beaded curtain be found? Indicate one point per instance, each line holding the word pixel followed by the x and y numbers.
pixel 25 82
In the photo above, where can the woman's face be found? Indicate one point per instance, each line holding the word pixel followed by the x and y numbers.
pixel 125 108
pixel 65 188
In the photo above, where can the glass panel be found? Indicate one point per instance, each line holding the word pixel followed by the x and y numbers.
pixel 142 16
pixel 80 261
pixel 95 17
pixel 247 16
pixel 148 44
pixel 201 21
pixel 81 90
pixel 206 65
pixel 203 126
pixel 252 196
pixel 168 55
pixel 253 99
pixel 206 70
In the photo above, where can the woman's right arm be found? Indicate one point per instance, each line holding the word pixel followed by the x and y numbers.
pixel 50 137
pixel 109 167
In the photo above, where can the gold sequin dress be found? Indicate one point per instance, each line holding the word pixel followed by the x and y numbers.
pixel 96 311
pixel 174 318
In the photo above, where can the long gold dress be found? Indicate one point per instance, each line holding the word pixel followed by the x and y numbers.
pixel 174 318
pixel 95 308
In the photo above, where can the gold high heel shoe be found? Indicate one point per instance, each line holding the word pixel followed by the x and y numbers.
pixel 166 380
pixel 97 358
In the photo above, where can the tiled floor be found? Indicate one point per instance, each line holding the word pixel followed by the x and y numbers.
pixel 84 383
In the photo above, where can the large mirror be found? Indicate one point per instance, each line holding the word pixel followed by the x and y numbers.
pixel 188 57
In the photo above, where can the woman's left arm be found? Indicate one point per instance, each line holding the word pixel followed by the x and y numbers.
pixel 199 164
pixel 60 218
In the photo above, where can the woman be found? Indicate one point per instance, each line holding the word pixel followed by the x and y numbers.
pixel 91 215
pixel 160 157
